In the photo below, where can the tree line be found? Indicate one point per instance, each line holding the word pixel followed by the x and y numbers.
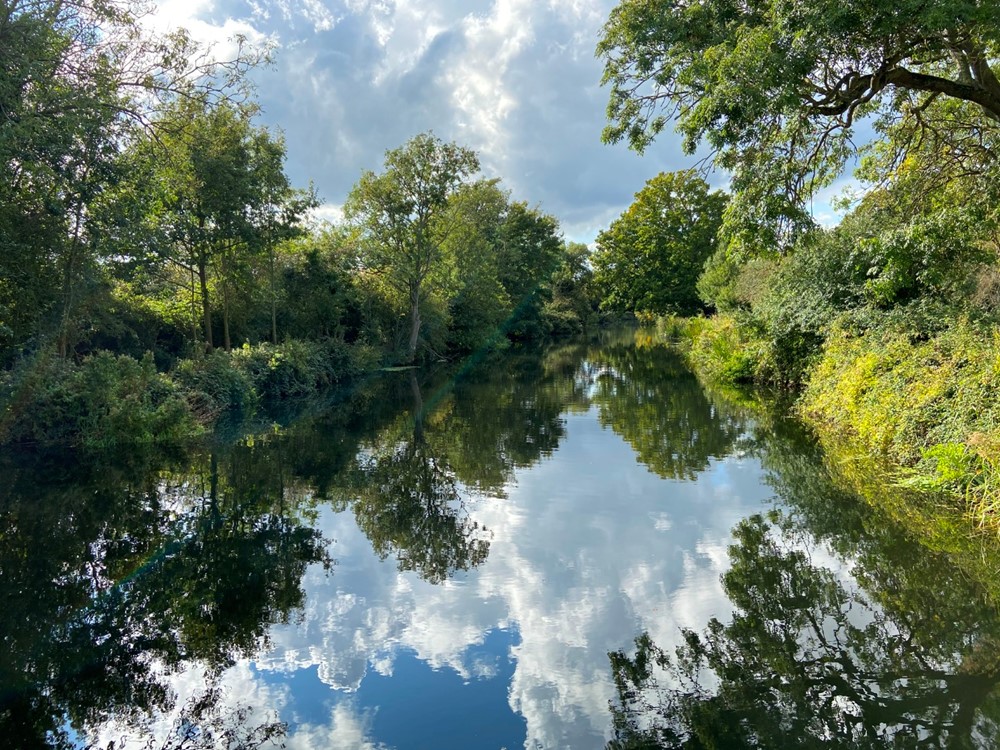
pixel 155 251
pixel 887 320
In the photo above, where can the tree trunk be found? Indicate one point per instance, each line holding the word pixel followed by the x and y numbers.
pixel 418 409
pixel 69 271
pixel 411 350
pixel 225 318
pixel 206 308
pixel 194 312
pixel 274 302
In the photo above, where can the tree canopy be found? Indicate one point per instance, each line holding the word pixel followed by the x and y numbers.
pixel 649 259
pixel 400 212
pixel 776 89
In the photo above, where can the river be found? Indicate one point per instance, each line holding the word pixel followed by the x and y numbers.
pixel 464 557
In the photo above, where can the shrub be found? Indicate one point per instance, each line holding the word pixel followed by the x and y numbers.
pixel 215 384
pixel 103 402
pixel 237 382
pixel 723 349
pixel 924 401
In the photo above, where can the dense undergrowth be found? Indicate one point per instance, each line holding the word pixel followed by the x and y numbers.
pixel 110 401
pixel 921 404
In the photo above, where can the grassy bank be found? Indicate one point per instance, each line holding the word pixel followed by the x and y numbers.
pixel 922 407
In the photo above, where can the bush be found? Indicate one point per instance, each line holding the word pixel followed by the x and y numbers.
pixel 900 393
pixel 723 351
pixel 221 382
pixel 103 402
pixel 215 384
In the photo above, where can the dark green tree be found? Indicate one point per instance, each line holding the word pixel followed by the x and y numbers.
pixel 649 259
pixel 79 80
pixel 402 216
pixel 226 202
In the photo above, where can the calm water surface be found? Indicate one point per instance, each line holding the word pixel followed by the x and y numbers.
pixel 464 559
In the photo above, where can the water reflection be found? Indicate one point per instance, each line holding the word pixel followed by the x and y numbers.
pixel 496 534
pixel 407 500
pixel 845 633
pixel 112 579
pixel 647 395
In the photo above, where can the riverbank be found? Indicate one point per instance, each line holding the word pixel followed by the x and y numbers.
pixel 923 409
pixel 107 401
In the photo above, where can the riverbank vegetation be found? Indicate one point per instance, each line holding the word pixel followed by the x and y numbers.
pixel 887 324
pixel 158 268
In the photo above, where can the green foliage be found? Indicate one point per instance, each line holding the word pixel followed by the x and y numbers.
pixel 104 402
pixel 573 307
pixel 239 381
pixel 775 88
pixel 220 203
pixel 215 384
pixel 289 370
pixel 650 258
pixel 924 402
pixel 318 294
pixel 727 351
pixel 529 253
pixel 399 214
pixel 81 82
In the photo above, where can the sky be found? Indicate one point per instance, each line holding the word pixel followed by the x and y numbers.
pixel 515 80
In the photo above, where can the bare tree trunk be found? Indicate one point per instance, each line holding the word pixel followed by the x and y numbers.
pixel 206 308
pixel 411 350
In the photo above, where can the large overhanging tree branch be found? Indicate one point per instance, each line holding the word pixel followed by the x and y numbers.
pixel 775 87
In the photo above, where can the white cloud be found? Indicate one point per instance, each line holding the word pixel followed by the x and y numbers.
pixel 220 36
pixel 514 79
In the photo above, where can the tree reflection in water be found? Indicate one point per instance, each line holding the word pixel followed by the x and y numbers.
pixel 411 483
pixel 649 397
pixel 117 576
pixel 906 655
pixel 408 502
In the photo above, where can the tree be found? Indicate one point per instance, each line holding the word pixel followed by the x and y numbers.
pixel 225 201
pixel 775 88
pixel 503 255
pixel 529 251
pixel 572 308
pixel 78 80
pixel 650 258
pixel 400 214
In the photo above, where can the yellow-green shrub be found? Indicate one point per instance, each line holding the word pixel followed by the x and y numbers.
pixel 926 403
